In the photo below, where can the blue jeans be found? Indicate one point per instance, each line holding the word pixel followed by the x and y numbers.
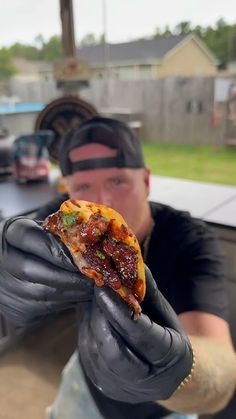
pixel 73 400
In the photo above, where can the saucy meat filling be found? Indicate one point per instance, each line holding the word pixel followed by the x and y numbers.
pixel 114 260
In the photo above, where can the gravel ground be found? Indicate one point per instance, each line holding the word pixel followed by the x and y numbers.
pixel 30 372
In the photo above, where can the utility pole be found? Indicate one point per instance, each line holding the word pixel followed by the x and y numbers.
pixel 67 23
pixel 70 75
pixel 105 44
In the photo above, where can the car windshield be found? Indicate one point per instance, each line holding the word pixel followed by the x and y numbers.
pixel 30 146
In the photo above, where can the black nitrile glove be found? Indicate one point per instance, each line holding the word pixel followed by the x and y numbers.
pixel 130 360
pixel 37 275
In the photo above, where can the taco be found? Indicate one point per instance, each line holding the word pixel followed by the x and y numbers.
pixel 102 246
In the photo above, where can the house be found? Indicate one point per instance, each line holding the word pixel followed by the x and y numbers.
pixel 180 55
pixel 30 71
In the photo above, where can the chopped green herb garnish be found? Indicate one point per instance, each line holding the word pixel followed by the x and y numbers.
pixel 69 219
pixel 100 254
pixel 97 231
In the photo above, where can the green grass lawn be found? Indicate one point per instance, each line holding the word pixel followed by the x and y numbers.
pixel 203 163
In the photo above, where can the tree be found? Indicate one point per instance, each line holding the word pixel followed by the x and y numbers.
pixel 199 31
pixel 232 44
pixel 222 41
pixel 52 49
pixel 220 38
pixel 167 31
pixel 183 28
pixel 7 68
pixel 46 51
pixel 158 32
pixel 89 39
pixel 28 52
pixel 102 39
pixel 39 41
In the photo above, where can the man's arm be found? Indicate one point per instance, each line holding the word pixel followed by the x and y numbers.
pixel 147 360
pixel 214 376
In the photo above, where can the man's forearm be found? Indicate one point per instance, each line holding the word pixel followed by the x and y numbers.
pixel 213 380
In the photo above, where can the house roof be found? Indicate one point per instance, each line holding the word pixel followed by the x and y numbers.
pixel 142 50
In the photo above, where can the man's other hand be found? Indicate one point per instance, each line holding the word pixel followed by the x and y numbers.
pixel 134 360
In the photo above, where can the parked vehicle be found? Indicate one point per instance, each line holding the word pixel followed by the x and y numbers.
pixel 6 161
pixel 31 159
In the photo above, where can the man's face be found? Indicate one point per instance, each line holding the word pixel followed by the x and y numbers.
pixel 124 189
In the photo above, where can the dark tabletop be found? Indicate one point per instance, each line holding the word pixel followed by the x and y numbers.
pixel 18 199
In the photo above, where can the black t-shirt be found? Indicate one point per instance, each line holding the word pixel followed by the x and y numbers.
pixel 186 261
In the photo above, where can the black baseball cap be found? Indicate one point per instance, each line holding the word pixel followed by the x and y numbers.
pixel 107 131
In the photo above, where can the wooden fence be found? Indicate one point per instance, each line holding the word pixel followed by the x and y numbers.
pixel 173 110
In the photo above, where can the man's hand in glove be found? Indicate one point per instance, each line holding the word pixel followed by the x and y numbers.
pixel 37 275
pixel 134 360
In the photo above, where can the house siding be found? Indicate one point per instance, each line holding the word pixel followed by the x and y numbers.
pixel 187 60
pixel 127 72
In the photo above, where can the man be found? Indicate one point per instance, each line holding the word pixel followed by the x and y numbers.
pixel 179 360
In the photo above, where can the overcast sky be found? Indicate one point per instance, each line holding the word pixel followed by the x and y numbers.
pixel 23 20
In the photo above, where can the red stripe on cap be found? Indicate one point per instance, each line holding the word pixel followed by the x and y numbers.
pixel 90 151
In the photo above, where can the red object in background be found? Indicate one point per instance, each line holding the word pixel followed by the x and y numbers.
pixel 215 118
pixel 31 160
pixel 32 169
